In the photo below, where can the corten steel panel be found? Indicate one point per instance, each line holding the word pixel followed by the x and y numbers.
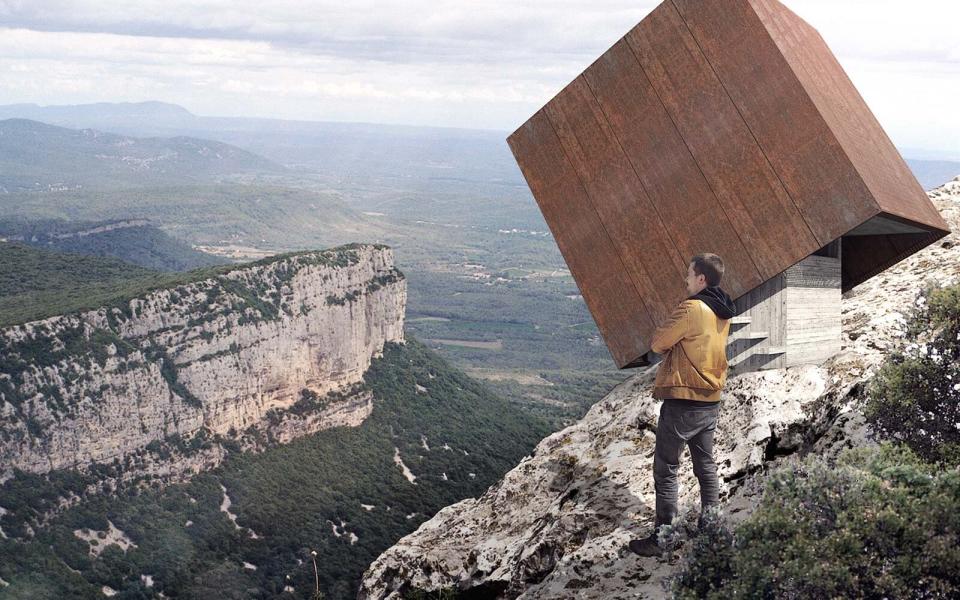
pixel 893 187
pixel 721 143
pixel 665 167
pixel 607 289
pixel 624 209
pixel 733 129
pixel 886 174
pixel 784 120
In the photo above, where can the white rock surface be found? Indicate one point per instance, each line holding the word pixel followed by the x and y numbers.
pixel 99 540
pixel 238 366
pixel 397 460
pixel 557 524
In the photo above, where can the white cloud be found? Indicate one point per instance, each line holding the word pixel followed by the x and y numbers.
pixel 920 30
pixel 482 64
pixel 904 59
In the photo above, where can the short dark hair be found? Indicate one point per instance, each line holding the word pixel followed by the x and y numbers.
pixel 710 266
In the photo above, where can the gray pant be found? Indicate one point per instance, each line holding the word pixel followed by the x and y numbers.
pixel 684 422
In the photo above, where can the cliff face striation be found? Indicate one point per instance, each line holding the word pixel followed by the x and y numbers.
pixel 167 381
pixel 557 524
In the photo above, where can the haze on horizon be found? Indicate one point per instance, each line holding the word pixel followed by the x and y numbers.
pixel 487 66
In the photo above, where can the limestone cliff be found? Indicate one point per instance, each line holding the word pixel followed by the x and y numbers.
pixel 557 524
pixel 167 381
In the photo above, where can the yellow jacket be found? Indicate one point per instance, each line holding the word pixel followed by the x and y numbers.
pixel 694 340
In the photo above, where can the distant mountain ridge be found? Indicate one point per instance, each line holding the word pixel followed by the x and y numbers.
pixel 137 241
pixel 353 148
pixel 110 110
pixel 336 147
pixel 36 156
pixel 933 173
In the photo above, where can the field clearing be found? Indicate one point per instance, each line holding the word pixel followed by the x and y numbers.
pixel 520 377
pixel 497 345
pixel 237 252
pixel 547 401
pixel 521 272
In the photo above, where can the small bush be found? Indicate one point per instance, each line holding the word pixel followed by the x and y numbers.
pixel 915 397
pixel 879 523
pixel 709 559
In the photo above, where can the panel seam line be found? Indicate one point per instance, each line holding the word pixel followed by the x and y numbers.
pixel 695 161
pixel 747 125
pixel 586 194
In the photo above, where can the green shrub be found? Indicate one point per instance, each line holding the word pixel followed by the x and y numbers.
pixel 879 523
pixel 915 397
pixel 709 560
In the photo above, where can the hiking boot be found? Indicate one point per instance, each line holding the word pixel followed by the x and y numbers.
pixel 645 547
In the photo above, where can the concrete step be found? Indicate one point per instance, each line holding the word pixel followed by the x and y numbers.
pixel 748 335
pixel 771 350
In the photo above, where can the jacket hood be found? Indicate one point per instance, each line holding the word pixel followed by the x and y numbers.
pixel 718 301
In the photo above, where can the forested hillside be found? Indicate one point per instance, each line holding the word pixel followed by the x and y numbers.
pixel 136 241
pixel 36 283
pixel 254 216
pixel 342 493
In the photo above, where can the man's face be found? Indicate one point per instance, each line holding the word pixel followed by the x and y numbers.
pixel 695 282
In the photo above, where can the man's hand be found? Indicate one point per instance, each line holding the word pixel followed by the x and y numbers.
pixel 677 327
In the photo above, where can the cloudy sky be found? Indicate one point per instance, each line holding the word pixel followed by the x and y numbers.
pixel 481 64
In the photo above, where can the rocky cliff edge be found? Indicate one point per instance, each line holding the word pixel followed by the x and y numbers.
pixel 165 382
pixel 557 524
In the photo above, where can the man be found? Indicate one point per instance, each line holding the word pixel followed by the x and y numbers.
pixel 689 380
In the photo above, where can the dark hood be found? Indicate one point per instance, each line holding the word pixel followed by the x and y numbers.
pixel 718 301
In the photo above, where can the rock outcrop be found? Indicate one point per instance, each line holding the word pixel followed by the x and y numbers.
pixel 557 524
pixel 242 356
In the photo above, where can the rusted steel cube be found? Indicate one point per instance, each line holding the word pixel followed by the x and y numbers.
pixel 721 126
